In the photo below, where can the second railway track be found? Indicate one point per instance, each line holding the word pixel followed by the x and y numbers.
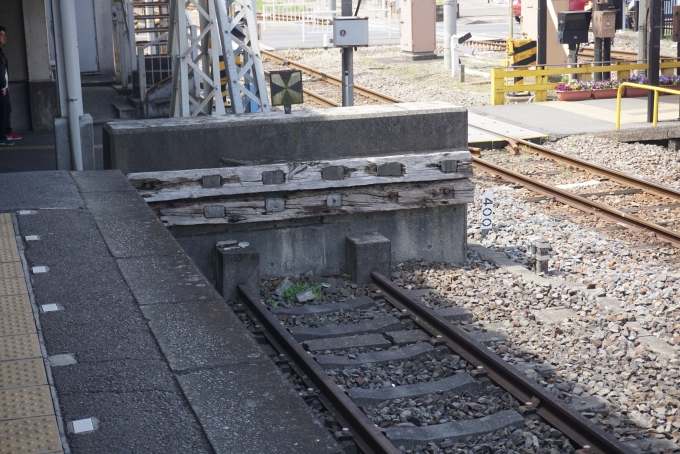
pixel 602 210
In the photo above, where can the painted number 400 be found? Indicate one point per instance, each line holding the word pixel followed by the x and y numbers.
pixel 487 213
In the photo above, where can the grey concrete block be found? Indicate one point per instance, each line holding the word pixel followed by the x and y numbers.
pixel 376 130
pixel 212 181
pixel 273 177
pixel 342 343
pixel 101 181
pixel 455 314
pixel 364 302
pixel 170 428
pixel 333 173
pixel 390 169
pixel 449 166
pixel 590 403
pixel 296 247
pixel 165 279
pixel 405 337
pixel 92 158
pixel 334 200
pixel 410 437
pixel 241 414
pixel 36 190
pixel 460 383
pixel 234 266
pixel 274 205
pixel 488 337
pixel 197 335
pixel 377 325
pixel 215 211
pixel 407 353
pixel 674 144
pixel 368 253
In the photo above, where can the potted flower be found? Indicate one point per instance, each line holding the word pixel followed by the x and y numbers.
pixel 672 82
pixel 632 92
pixel 604 89
pixel 573 91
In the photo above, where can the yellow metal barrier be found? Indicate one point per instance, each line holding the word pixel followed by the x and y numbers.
pixel 499 76
pixel 656 91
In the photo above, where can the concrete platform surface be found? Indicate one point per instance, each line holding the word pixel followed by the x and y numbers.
pixel 137 347
pixel 559 119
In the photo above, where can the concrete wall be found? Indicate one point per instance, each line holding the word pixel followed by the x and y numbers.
pixel 196 143
pixel 318 244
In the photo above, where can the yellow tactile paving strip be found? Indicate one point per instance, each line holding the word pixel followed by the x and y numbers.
pixel 27 421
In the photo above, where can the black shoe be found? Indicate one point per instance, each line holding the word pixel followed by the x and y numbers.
pixel 6 144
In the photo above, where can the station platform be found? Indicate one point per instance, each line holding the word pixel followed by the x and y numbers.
pixel 112 341
pixel 556 119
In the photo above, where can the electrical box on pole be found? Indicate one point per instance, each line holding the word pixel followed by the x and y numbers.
pixel 604 24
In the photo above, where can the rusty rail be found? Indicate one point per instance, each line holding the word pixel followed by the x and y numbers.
pixel 557 413
pixel 368 436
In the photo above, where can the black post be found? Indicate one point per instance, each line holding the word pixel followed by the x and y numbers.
pixel 347 63
pixel 541 51
pixel 607 55
pixel 597 46
pixel 654 49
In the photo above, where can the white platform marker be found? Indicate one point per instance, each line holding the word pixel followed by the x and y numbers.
pixel 487 213
pixel 83 425
pixel 39 269
pixel 49 307
pixel 32 237
pixel 25 212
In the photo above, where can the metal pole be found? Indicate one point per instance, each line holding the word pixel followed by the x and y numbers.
pixel 512 21
pixel 597 46
pixel 347 63
pixel 606 54
pixel 72 67
pixel 332 5
pixel 449 30
pixel 654 48
pixel 541 51
pixel 642 32
pixel 59 45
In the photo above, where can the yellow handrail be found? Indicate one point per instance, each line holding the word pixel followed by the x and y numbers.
pixel 656 91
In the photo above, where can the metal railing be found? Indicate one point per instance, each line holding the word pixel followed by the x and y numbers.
pixel 656 91
pixel 503 79
pixel 152 69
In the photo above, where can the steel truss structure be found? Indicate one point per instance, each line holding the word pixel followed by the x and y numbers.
pixel 228 32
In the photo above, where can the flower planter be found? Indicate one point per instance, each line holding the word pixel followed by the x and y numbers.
pixel 671 87
pixel 606 93
pixel 577 95
pixel 632 92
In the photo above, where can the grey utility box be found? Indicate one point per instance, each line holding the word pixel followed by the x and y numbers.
pixel 350 31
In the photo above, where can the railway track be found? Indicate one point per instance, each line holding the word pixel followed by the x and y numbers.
pixel 574 200
pixel 401 332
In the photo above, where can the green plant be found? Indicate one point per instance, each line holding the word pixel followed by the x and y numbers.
pixel 272 303
pixel 294 290
pixel 524 157
pixel 317 291
pixel 566 171
pixel 565 78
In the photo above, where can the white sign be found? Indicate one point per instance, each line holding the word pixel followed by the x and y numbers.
pixel 487 213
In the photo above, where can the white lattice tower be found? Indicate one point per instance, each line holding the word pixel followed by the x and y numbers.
pixel 229 30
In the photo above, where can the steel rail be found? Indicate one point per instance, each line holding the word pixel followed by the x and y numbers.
pixel 578 202
pixel 364 91
pixel 556 412
pixel 596 169
pixel 317 98
pixel 360 426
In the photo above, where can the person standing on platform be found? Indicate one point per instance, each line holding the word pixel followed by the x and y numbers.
pixel 6 133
